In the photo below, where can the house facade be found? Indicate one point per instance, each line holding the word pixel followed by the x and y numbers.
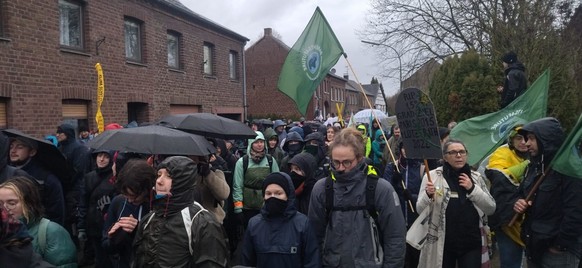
pixel 158 58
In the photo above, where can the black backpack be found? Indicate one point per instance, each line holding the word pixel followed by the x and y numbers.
pixel 371 182
pixel 246 163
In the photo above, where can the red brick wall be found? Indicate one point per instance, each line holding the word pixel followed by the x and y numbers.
pixel 39 74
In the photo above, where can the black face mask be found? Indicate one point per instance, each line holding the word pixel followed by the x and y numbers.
pixel 311 149
pixel 296 179
pixel 275 206
pixel 294 148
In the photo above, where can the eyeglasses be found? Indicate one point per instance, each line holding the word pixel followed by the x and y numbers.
pixel 10 205
pixel 345 163
pixel 455 153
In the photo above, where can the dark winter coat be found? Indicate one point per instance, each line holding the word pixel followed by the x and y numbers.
pixel 411 172
pixel 119 244
pixel 96 195
pixel 7 171
pixel 162 239
pixel 515 83
pixel 276 152
pixel 304 185
pixel 281 241
pixel 555 216
pixel 52 195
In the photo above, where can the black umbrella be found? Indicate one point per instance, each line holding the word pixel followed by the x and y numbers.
pixel 152 139
pixel 209 125
pixel 48 155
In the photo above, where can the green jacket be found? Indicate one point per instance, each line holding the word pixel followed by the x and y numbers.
pixel 59 249
pixel 255 174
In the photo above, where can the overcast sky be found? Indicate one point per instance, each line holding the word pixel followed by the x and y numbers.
pixel 289 18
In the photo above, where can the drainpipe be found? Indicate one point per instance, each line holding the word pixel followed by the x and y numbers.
pixel 244 84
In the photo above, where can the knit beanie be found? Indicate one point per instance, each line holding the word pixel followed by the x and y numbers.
pixel 276 178
pixel 509 57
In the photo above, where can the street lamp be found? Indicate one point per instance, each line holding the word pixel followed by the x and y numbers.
pixel 397 54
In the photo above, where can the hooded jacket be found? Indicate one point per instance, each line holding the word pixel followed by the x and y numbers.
pixel 304 185
pixel 367 141
pixel 226 155
pixel 162 239
pixel 7 171
pixel 377 148
pixel 281 135
pixel 276 152
pixel 292 136
pixel 281 241
pixel 555 217
pixel 247 188
pixel 515 83
pixel 347 241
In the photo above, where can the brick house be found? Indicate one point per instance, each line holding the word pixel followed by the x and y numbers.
pixel 264 60
pixel 158 58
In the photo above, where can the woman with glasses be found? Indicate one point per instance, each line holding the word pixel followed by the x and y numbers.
pixel 458 201
pixel 348 235
pixel 20 197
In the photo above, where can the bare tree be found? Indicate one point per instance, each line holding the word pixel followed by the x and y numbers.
pixel 424 29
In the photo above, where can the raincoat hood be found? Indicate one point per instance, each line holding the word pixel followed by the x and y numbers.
pixel 298 130
pixel 377 137
pixel 292 136
pixel 68 129
pixel 278 123
pixel 549 136
pixel 259 137
pixel 222 145
pixel 269 133
pixel 183 171
pixel 362 127
pixel 291 209
pixel 306 162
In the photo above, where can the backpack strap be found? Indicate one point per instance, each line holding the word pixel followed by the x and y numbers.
pixel 328 199
pixel 246 163
pixel 42 229
pixel 188 220
pixel 371 183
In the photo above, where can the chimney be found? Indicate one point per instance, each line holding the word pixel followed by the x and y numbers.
pixel 346 76
pixel 268 32
pixel 333 70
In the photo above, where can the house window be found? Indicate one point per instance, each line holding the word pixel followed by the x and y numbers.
pixel 132 40
pixel 174 50
pixel 71 24
pixel 233 64
pixel 208 58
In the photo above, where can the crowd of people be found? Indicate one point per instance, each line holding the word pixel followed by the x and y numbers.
pixel 297 195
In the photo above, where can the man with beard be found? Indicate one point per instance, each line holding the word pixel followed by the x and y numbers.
pixel 250 171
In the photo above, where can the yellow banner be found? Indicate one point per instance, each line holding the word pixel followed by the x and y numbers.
pixel 100 97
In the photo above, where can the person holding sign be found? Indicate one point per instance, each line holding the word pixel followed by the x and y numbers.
pixel 458 201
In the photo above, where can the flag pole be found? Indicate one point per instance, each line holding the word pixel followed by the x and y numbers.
pixel 529 196
pixel 380 126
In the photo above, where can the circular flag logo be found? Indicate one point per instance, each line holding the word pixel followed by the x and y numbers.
pixel 312 61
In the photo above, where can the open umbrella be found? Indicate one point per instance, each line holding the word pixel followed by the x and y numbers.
pixel 209 125
pixel 153 139
pixel 47 155
pixel 364 116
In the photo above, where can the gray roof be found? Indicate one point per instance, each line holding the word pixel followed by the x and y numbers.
pixel 371 89
pixel 178 6
pixel 351 85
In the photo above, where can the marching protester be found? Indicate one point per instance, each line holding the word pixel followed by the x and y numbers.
pixel 96 194
pixel 249 174
pixel 409 172
pixel 178 232
pixel 21 199
pixel 367 140
pixel 377 155
pixel 210 187
pixel 303 168
pixel 458 200
pixel 505 171
pixel 357 220
pixel 330 133
pixel 22 156
pixel 273 147
pixel 294 145
pixel 280 236
pixel 134 183
pixel 552 226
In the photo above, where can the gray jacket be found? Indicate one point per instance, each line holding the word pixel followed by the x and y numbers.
pixel 347 240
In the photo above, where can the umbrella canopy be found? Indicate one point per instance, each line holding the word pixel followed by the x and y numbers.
pixel 153 139
pixel 47 155
pixel 364 116
pixel 209 125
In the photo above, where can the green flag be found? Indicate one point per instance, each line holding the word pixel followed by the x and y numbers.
pixel 568 159
pixel 309 61
pixel 484 133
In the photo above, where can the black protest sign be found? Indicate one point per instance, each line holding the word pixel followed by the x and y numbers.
pixel 418 125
